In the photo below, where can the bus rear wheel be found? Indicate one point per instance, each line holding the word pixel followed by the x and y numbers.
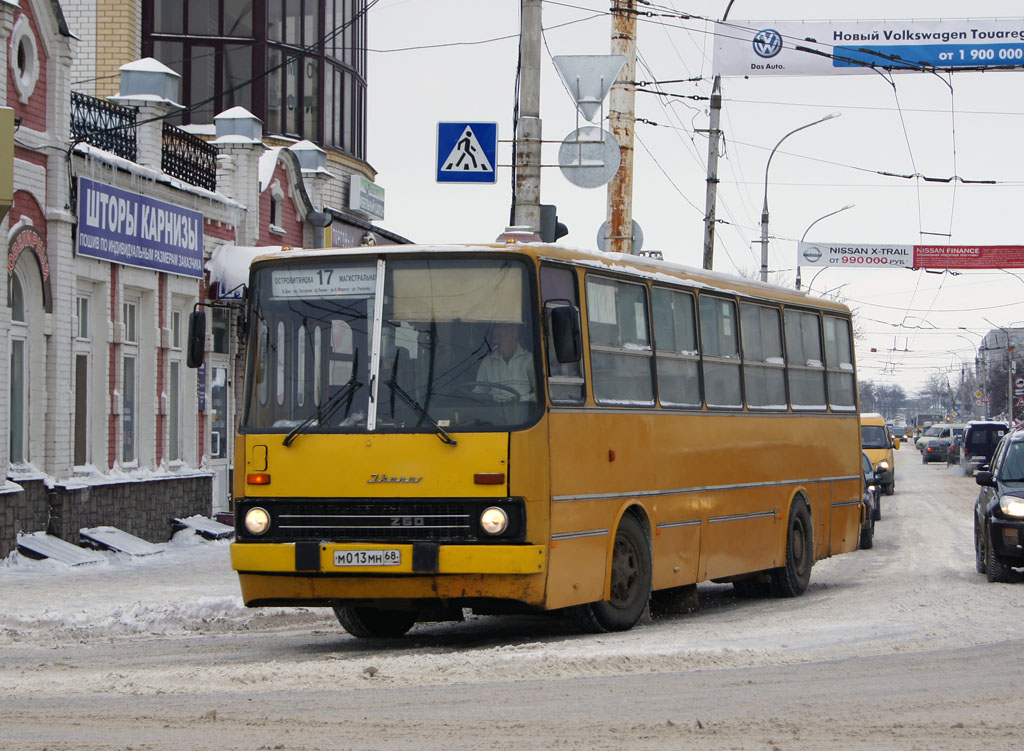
pixel 630 583
pixel 371 623
pixel 791 579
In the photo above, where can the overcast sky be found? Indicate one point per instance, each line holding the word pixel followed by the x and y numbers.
pixel 431 61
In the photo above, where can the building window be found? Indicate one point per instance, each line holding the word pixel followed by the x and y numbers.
pixel 130 383
pixel 221 329
pixel 301 69
pixel 176 329
pixel 82 308
pixel 18 422
pixel 23 55
pixel 129 312
pixel 174 411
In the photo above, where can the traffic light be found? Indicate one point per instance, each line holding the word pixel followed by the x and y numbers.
pixel 550 228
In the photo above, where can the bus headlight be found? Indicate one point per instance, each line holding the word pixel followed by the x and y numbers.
pixel 257 521
pixel 494 520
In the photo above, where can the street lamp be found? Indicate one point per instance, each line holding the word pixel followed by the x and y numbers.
pixel 764 207
pixel 826 216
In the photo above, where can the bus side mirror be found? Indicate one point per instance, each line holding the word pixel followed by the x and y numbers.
pixel 565 334
pixel 196 338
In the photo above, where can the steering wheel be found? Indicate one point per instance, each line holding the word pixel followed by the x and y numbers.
pixel 480 391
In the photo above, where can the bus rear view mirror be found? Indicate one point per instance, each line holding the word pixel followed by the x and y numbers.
pixel 196 338
pixel 565 334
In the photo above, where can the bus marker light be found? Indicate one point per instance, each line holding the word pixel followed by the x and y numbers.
pixel 494 520
pixel 257 521
pixel 489 478
pixel 258 478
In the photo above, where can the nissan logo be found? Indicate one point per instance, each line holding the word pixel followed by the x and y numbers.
pixel 767 43
pixel 812 254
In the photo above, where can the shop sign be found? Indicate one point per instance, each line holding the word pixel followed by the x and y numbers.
pixel 366 197
pixel 134 230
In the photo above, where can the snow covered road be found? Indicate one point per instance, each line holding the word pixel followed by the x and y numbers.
pixel 901 646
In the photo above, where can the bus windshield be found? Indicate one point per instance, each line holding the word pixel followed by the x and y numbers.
pixel 443 345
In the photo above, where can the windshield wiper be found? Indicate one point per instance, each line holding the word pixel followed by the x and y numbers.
pixel 416 407
pixel 324 411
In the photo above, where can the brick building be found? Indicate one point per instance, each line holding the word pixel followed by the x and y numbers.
pixel 131 204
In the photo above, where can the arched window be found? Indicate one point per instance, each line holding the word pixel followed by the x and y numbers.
pixel 18 418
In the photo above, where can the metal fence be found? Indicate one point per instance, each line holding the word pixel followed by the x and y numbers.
pixel 189 158
pixel 103 124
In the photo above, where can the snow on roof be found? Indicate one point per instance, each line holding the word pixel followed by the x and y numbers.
pixel 237 112
pixel 149 65
pixel 268 162
pixel 149 173
pixel 229 268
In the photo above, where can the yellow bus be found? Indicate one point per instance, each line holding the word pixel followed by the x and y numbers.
pixel 526 428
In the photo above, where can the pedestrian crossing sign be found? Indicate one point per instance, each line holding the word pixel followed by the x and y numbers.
pixel 467 152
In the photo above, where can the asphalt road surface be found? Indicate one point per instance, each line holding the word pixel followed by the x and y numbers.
pixel 903 646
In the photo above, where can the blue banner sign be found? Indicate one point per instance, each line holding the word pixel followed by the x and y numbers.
pixel 918 56
pixel 122 227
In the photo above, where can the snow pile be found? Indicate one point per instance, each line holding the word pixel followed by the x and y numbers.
pixel 190 587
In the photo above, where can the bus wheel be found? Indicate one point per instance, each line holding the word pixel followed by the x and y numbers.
pixel 791 580
pixel 368 623
pixel 630 583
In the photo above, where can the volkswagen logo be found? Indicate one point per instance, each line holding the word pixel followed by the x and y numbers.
pixel 767 43
pixel 812 254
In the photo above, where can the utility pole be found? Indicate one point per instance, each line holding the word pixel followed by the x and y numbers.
pixel 526 208
pixel 714 138
pixel 621 116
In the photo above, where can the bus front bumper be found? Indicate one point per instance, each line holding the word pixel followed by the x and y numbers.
pixel 279 573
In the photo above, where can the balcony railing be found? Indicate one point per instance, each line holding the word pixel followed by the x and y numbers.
pixel 103 124
pixel 189 158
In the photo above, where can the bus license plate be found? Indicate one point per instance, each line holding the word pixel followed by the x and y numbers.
pixel 367 557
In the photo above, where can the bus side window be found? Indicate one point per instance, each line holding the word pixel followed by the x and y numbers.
pixel 764 370
pixel 720 351
pixel 558 291
pixel 675 341
pixel 842 387
pixel 804 360
pixel 620 347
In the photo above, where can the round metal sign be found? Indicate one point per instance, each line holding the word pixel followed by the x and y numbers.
pixel 638 237
pixel 589 157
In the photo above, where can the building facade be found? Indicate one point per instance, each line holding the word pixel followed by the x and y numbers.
pixel 128 210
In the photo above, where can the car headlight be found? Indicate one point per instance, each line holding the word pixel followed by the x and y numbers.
pixel 882 467
pixel 494 520
pixel 1011 506
pixel 257 521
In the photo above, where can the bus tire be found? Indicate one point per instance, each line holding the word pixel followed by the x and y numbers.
pixel 375 623
pixel 791 579
pixel 630 583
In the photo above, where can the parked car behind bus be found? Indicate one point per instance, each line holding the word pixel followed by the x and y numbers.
pixel 999 511
pixel 878 444
pixel 980 439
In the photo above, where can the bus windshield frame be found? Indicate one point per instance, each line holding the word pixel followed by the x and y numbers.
pixel 360 344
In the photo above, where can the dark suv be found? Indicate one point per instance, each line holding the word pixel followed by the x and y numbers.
pixel 980 439
pixel 999 511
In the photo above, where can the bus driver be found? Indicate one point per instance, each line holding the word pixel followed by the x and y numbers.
pixel 509 365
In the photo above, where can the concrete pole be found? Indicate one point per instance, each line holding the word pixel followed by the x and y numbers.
pixel 714 139
pixel 620 120
pixel 526 210
pixel 711 194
